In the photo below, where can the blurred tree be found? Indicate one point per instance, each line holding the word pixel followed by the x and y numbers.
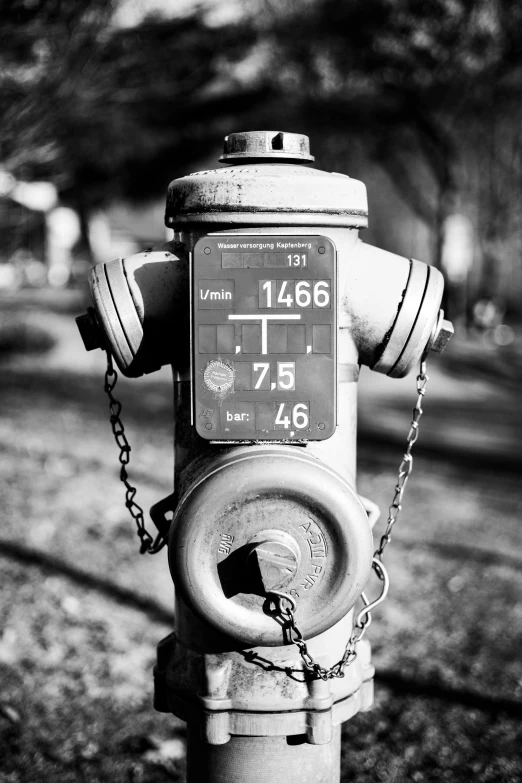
pixel 420 79
pixel 421 85
pixel 101 110
pixel 47 48
pixel 172 89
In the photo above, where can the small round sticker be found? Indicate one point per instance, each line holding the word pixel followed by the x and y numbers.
pixel 218 376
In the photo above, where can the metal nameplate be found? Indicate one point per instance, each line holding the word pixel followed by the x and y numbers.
pixel 264 337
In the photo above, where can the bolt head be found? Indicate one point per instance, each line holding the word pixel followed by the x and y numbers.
pixel 274 559
pixel 442 336
pixel 266 145
pixel 277 564
pixel 90 330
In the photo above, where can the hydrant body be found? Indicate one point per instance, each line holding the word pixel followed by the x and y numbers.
pixel 265 303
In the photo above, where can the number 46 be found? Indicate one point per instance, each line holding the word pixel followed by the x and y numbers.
pixel 300 416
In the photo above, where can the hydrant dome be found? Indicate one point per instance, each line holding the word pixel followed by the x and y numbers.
pixel 270 185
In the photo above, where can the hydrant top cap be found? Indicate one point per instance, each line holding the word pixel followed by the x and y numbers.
pixel 267 185
pixel 271 145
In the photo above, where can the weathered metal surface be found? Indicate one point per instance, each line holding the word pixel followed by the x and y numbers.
pixel 442 335
pixel 266 146
pixel 275 559
pixel 264 337
pixel 268 195
pixel 397 336
pixel 90 330
pixel 142 305
pixel 263 760
pixel 239 499
pixel 391 321
pixel 108 318
pixel 427 313
pixel 242 528
pixel 261 194
pixel 261 690
pixel 124 305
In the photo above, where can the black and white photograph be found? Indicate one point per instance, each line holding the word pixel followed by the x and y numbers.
pixel 260 391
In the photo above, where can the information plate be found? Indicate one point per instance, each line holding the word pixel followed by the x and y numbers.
pixel 264 337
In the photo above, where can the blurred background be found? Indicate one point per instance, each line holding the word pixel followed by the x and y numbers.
pixel 102 104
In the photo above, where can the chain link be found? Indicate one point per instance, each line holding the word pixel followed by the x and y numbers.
pixel 287 614
pixel 364 618
pixel 148 544
pixel 406 465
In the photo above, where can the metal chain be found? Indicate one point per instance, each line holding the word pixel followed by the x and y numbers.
pixel 406 465
pixel 148 544
pixel 364 618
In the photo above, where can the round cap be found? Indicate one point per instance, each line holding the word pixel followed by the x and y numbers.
pixel 251 146
pixel 268 185
pixel 267 521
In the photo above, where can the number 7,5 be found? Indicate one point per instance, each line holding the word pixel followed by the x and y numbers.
pixel 285 376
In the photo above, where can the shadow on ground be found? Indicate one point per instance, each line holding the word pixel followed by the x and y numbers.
pixel 82 611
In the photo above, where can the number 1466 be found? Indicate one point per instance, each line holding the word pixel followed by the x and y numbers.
pixel 294 293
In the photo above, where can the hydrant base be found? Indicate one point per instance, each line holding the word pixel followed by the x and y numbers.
pixel 317 728
pixel 263 760
pixel 233 694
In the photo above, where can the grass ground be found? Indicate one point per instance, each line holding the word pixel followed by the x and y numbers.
pixel 81 612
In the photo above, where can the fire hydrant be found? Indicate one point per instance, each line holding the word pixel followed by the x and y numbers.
pixel 266 303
